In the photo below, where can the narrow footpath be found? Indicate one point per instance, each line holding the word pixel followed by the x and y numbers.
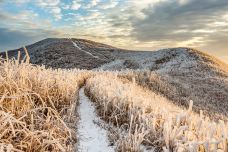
pixel 92 138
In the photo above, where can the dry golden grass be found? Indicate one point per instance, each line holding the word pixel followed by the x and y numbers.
pixel 209 60
pixel 144 118
pixel 38 111
pixel 37 106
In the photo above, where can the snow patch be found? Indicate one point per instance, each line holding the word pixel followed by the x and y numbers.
pixel 75 45
pixel 92 138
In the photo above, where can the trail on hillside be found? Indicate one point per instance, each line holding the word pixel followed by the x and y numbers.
pixel 92 138
pixel 75 45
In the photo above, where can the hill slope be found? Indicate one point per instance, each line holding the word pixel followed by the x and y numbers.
pixel 67 53
pixel 180 74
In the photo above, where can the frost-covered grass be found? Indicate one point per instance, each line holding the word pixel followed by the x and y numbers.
pixel 149 119
pixel 208 92
pixel 37 107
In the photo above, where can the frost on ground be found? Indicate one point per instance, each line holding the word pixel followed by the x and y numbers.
pixel 181 75
pixel 152 120
pixel 92 138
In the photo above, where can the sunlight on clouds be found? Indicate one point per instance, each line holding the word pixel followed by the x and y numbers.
pixel 108 4
pixel 183 2
pixel 19 1
pixel 48 3
pixel 195 41
pixel 144 3
pixel 203 31
pixel 92 3
pixel 130 24
pixel 223 58
pixel 27 20
pixel 180 31
pixel 220 24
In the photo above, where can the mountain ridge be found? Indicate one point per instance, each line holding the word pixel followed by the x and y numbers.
pixel 180 74
pixel 61 53
pixel 107 53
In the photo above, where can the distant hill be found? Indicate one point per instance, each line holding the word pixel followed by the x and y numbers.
pixel 67 53
pixel 86 54
pixel 180 74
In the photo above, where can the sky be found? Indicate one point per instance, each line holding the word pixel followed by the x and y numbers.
pixel 131 24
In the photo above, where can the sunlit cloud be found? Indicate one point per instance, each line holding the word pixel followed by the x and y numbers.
pixel 108 4
pixel 130 24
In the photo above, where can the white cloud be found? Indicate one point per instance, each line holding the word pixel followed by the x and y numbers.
pixel 141 24
pixel 144 3
pixel 92 18
pixel 184 2
pixel 92 4
pixel 29 20
pixel 56 10
pixel 75 5
pixel 109 4
pixel 48 3
pixel 53 6
pixel 20 1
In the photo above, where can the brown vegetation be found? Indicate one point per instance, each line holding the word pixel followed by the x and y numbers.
pixel 37 106
pixel 143 117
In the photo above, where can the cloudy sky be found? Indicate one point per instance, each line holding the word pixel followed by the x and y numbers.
pixel 131 24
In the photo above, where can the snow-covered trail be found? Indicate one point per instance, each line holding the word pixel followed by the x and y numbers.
pixel 75 45
pixel 92 138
